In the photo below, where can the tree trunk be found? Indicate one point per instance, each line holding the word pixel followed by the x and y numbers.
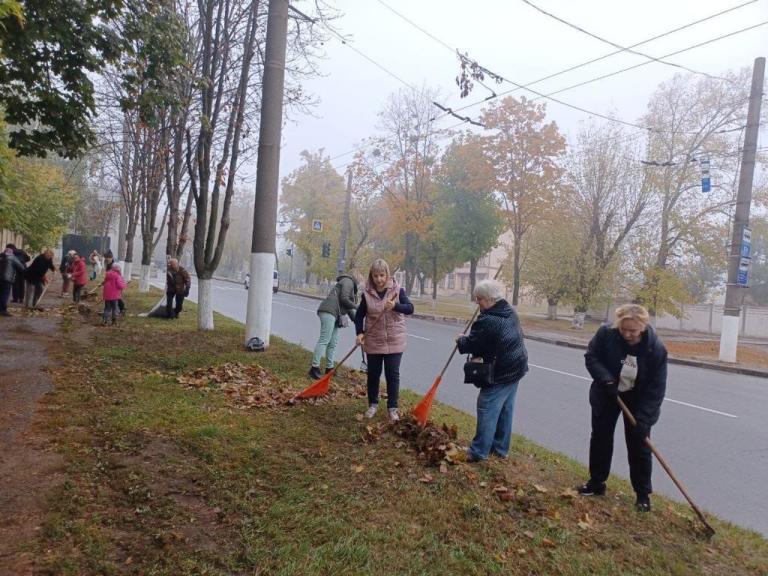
pixel 435 280
pixel 516 270
pixel 472 275
pixel 551 309
pixel 204 304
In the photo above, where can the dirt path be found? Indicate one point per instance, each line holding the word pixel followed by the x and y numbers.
pixel 28 470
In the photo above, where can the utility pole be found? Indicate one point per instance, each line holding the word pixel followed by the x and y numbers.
pixel 738 260
pixel 259 314
pixel 341 263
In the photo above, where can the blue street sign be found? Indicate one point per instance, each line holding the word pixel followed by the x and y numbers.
pixel 705 182
pixel 746 243
pixel 742 279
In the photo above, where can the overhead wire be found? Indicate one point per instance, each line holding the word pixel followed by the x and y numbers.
pixel 620 47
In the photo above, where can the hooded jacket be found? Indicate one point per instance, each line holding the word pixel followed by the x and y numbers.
pixel 604 359
pixel 9 267
pixel 342 299
pixel 496 336
pixel 114 284
pixel 39 267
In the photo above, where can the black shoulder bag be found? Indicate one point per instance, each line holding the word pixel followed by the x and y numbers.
pixel 478 372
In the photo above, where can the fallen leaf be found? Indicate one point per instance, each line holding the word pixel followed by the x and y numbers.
pixel 529 534
pixel 359 417
pixel 483 484
pixel 500 488
pixel 443 468
pixel 547 543
pixel 358 468
pixel 426 479
pixel 506 496
pixel 569 494
pixel 522 551
pixel 540 488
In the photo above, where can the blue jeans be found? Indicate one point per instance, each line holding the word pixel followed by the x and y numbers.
pixel 326 343
pixel 495 407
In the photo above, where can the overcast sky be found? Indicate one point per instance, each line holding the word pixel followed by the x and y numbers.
pixel 518 42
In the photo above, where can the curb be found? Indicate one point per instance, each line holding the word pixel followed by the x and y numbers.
pixel 571 344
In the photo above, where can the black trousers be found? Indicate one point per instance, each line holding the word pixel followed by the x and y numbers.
pixel 391 364
pixel 18 288
pixel 605 414
pixel 77 291
pixel 169 308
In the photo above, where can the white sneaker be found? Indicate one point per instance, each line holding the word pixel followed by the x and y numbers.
pixel 394 416
pixel 371 412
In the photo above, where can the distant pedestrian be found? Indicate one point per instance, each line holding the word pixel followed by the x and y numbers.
pixel 66 278
pixel 79 274
pixel 177 285
pixel 497 339
pixel 114 284
pixel 333 312
pixel 37 278
pixel 10 267
pixel 18 283
pixel 380 328
pixel 629 361
pixel 95 261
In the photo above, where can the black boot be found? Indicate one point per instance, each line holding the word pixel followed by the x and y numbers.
pixel 314 373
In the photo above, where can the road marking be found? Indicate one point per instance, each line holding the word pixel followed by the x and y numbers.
pixel 419 337
pixel 290 306
pixel 702 408
pixel 665 399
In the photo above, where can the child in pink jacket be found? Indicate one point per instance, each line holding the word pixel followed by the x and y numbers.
pixel 114 284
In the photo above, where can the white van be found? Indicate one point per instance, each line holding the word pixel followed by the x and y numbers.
pixel 275 282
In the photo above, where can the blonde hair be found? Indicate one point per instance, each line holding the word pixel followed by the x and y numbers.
pixel 379 265
pixel 631 312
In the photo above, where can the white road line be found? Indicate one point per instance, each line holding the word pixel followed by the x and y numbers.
pixel 291 306
pixel 665 399
pixel 419 337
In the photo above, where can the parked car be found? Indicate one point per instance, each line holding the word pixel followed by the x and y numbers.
pixel 247 281
pixel 275 282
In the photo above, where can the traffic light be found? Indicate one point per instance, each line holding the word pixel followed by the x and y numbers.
pixel 326 248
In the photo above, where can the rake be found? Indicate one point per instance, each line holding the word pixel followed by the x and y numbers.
pixel 321 386
pixel 710 531
pixel 423 408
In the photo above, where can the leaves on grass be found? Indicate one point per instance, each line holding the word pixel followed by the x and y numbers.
pixel 244 385
pixel 433 444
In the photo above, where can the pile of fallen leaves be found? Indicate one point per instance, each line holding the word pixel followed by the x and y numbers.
pixel 245 385
pixel 434 445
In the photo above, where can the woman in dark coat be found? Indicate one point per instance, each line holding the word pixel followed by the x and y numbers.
pixel 36 277
pixel 496 337
pixel 626 360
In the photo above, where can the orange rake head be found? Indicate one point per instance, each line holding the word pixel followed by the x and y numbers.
pixel 422 409
pixel 319 388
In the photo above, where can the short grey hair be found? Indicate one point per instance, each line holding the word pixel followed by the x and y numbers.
pixel 488 290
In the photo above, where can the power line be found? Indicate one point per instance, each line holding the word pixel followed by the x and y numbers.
pixel 604 76
pixel 621 48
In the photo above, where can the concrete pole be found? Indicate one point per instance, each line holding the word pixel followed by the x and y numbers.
pixel 259 314
pixel 341 263
pixel 734 296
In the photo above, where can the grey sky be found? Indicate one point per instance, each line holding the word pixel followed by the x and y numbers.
pixel 512 39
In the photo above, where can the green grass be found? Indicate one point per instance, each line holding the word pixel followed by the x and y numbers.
pixel 165 480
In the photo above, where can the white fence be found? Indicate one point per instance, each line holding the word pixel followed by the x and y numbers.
pixel 708 318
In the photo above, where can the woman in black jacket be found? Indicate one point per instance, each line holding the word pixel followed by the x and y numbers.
pixel 625 360
pixel 36 277
pixel 496 337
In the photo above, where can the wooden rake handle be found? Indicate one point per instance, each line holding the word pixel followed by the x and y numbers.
pixel 666 467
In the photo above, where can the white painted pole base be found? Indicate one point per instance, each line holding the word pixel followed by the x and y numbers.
pixel 127 269
pixel 144 278
pixel 729 338
pixel 204 305
pixel 259 316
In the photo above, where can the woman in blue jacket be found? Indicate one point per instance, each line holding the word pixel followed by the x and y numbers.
pixel 629 361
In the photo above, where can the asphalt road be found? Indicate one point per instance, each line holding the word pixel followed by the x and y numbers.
pixel 713 429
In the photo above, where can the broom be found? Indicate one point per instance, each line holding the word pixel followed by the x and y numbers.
pixel 422 409
pixel 321 386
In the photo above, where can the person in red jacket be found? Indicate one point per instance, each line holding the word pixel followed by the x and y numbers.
pixel 114 284
pixel 77 270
